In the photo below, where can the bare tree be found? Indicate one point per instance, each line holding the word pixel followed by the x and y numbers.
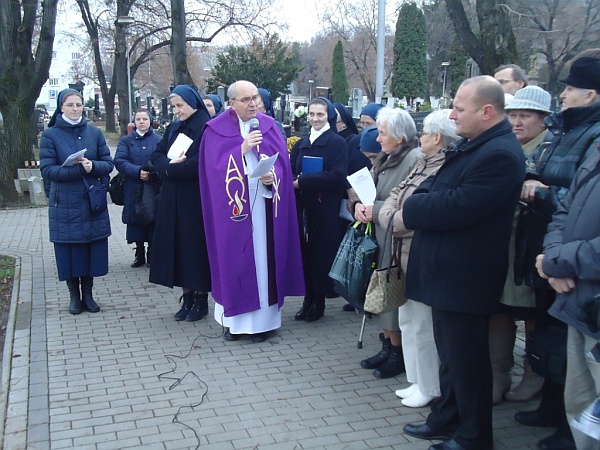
pixel 181 72
pixel 556 29
pixel 491 41
pixel 157 29
pixel 25 57
pixel 355 23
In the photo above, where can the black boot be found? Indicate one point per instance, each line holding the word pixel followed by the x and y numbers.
pixel 393 366
pixel 148 253
pixel 306 305
pixel 86 295
pixel 187 301
pixel 75 305
pixel 199 308
pixel 375 361
pixel 140 258
pixel 316 311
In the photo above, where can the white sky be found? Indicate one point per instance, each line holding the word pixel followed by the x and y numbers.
pixel 303 17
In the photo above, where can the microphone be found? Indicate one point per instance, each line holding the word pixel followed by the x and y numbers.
pixel 254 126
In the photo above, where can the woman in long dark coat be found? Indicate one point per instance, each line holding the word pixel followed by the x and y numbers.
pixel 133 161
pixel 80 236
pixel 179 255
pixel 319 195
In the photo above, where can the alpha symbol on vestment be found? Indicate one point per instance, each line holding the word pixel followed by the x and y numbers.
pixel 235 188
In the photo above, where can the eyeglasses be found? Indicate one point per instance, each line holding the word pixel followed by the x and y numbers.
pixel 365 124
pixel 247 100
pixel 73 105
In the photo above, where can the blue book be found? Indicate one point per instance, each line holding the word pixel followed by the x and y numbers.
pixel 312 164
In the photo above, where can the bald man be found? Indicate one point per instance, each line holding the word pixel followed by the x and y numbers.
pixel 459 260
pixel 254 251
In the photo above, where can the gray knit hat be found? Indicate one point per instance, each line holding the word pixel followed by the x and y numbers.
pixel 532 98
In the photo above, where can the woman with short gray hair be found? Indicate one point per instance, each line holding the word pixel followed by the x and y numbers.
pixel 396 134
pixel 398 122
pixel 414 318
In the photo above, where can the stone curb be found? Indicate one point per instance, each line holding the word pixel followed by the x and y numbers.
pixel 8 346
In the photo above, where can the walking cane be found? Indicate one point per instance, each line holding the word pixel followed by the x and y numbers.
pixel 362 330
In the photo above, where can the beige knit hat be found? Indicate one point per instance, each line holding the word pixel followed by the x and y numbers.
pixel 531 97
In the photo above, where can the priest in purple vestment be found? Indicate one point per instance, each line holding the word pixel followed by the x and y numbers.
pixel 249 217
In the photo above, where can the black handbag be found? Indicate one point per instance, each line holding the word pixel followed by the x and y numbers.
pixel 96 194
pixel 116 189
pixel 146 203
pixel 546 349
pixel 354 263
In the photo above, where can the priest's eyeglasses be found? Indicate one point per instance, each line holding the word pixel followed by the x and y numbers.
pixel 247 100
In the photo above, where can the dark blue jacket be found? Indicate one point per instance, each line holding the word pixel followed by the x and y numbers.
pixel 318 201
pixel 458 259
pixel 572 245
pixel 573 135
pixel 69 213
pixel 132 153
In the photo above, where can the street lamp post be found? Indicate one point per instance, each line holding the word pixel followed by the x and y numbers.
pixel 125 21
pixel 445 65
pixel 310 84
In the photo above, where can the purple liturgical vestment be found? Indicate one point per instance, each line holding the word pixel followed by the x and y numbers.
pixel 227 209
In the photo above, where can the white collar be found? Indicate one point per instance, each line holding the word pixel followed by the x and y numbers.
pixel 72 122
pixel 314 134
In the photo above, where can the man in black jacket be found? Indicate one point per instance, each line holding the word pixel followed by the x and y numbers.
pixel 459 260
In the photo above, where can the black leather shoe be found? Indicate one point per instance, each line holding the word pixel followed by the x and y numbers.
pixel 424 431
pixel 557 441
pixel 348 308
pixel 230 337
pixel 448 445
pixel 259 337
pixel 306 305
pixel 533 419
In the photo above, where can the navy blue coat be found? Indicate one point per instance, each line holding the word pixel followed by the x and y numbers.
pixel 132 153
pixel 71 221
pixel 458 260
pixel 179 253
pixel 318 201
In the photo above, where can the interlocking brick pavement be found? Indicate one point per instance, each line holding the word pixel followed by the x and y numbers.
pixel 131 377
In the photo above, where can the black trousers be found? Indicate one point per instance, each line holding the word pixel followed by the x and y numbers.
pixel 464 410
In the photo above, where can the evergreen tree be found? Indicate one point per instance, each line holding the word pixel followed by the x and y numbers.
pixel 269 63
pixel 409 74
pixel 339 80
pixel 458 66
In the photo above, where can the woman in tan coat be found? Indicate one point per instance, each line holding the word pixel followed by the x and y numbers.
pixel 420 353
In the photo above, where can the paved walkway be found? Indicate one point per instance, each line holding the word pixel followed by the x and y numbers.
pixel 131 377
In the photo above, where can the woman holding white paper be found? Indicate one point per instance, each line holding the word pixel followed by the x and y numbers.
pixel 396 137
pixel 179 254
pixel 80 236
pixel 319 166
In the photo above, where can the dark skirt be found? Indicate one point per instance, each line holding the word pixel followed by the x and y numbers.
pixel 135 233
pixel 81 260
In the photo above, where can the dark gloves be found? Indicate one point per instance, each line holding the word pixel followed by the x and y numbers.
pixel 589 312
